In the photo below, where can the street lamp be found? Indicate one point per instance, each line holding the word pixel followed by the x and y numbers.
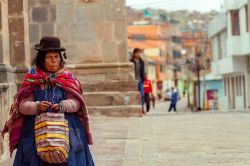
pixel 198 68
pixel 195 66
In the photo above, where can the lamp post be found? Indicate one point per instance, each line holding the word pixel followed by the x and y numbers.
pixel 198 68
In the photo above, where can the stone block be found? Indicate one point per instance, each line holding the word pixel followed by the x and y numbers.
pixel 47 29
pixel 105 31
pixel 89 13
pixel 16 28
pixel 122 51
pixel 34 33
pixel 6 74
pixel 32 3
pixel 106 85
pixel 1 49
pixel 89 52
pixel 4 18
pixel 121 30
pixel 44 2
pixel 39 14
pixel 15 7
pixel 92 78
pixel 115 10
pixel 112 98
pixel 5 48
pixel 110 52
pixel 52 13
pixel 18 54
pixel 63 31
pixel 65 13
pixel 82 32
pixel 63 1
pixel 122 76
pixel 72 51
pixel 0 16
pixel 116 111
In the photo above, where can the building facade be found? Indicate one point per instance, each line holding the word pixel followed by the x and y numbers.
pixel 229 33
pixel 158 46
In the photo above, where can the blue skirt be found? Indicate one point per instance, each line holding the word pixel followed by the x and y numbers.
pixel 79 153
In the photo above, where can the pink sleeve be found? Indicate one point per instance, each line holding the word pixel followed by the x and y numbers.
pixel 28 106
pixel 71 105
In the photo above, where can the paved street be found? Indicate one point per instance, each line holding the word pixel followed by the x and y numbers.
pixel 173 139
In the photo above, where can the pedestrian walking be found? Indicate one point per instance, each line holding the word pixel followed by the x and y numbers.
pixel 147 91
pixel 139 72
pixel 49 122
pixel 174 99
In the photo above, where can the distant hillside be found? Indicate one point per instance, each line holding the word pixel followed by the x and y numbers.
pixel 187 20
pixel 192 20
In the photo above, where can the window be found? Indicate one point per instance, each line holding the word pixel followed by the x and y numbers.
pixel 235 19
pixel 246 9
pixel 139 37
pixel 176 39
pixel 176 54
pixel 219 47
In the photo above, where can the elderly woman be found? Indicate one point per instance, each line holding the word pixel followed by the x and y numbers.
pixel 49 87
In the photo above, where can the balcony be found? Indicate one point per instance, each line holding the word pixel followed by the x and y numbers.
pixel 230 65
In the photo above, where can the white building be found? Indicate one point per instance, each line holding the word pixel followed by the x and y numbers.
pixel 229 34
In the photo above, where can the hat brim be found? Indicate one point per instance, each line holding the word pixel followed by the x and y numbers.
pixel 38 48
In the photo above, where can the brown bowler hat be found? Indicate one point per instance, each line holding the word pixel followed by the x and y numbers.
pixel 49 43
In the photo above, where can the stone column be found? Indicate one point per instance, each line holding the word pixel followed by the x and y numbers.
pixel 247 74
pixel 19 37
pixel 7 77
pixel 94 34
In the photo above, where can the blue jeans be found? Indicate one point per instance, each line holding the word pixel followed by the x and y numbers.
pixel 140 88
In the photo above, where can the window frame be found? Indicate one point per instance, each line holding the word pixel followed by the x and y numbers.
pixel 235 14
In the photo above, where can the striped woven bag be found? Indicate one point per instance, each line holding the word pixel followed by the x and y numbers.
pixel 52 137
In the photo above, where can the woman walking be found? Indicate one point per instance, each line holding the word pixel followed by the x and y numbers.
pixel 49 91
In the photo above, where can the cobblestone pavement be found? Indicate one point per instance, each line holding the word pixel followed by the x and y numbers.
pixel 173 139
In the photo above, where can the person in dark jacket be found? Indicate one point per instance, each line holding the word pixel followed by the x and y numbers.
pixel 139 72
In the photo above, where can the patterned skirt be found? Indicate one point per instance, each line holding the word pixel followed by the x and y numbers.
pixel 79 153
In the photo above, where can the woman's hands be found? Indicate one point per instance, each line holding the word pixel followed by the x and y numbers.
pixel 44 105
pixel 55 107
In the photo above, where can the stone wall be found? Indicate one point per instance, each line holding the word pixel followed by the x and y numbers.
pixel 95 37
pixel 93 32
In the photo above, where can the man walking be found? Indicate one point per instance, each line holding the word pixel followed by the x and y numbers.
pixel 174 99
pixel 139 72
pixel 147 91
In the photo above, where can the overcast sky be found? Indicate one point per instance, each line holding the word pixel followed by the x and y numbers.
pixel 171 5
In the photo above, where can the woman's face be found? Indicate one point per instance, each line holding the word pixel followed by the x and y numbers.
pixel 52 62
pixel 137 55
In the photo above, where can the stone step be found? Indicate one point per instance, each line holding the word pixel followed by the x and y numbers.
pixel 112 98
pixel 116 111
pixel 110 86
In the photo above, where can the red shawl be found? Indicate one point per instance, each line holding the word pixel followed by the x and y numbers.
pixel 64 79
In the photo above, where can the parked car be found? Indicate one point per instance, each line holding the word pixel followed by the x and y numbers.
pixel 167 95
